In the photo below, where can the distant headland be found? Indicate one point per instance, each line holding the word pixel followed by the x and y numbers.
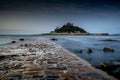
pixel 70 29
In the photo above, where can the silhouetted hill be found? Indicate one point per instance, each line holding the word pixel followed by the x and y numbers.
pixel 69 28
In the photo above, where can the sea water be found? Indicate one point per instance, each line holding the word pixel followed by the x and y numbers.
pixel 77 43
pixel 96 43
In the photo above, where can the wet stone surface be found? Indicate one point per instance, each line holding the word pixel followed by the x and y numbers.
pixel 44 60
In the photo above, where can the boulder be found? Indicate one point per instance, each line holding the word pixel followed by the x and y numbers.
pixel 21 39
pixel 21 45
pixel 81 51
pixel 109 40
pixel 106 49
pixel 13 42
pixel 26 45
pixel 89 50
pixel 53 39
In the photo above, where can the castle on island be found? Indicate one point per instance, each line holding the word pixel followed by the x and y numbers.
pixel 69 28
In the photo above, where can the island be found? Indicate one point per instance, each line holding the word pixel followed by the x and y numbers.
pixel 70 29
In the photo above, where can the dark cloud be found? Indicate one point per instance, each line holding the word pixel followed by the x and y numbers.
pixel 47 14
pixel 33 4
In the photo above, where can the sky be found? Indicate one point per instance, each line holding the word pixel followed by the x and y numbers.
pixel 43 16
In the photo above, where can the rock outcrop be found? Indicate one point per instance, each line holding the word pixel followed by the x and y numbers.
pixel 106 49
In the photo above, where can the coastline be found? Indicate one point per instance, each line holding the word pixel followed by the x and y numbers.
pixel 81 34
pixel 44 57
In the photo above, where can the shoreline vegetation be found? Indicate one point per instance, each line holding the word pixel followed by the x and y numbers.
pixel 44 59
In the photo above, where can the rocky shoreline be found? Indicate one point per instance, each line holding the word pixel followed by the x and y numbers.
pixel 44 60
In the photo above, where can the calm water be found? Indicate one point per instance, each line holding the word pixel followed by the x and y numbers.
pixel 77 43
pixel 8 39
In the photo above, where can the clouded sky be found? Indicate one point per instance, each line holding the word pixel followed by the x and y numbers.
pixel 41 16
